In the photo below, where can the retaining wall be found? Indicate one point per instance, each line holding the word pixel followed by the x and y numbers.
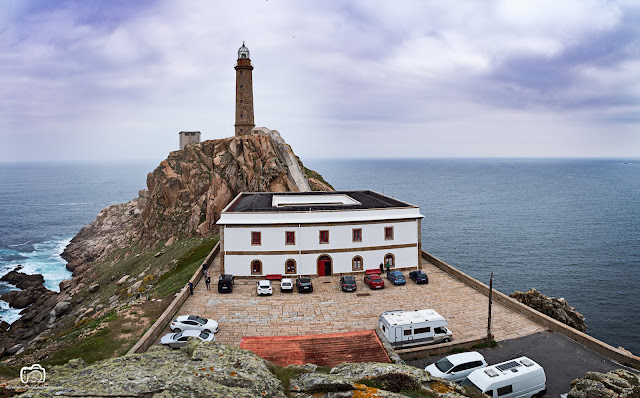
pixel 625 358
pixel 154 331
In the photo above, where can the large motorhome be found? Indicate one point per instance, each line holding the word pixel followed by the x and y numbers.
pixel 407 328
pixel 520 377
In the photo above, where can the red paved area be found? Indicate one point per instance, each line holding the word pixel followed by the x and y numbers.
pixel 320 349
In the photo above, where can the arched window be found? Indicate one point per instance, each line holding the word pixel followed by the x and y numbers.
pixel 389 259
pixel 290 267
pixel 256 267
pixel 356 264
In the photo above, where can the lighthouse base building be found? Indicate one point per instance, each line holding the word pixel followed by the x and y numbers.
pixel 318 233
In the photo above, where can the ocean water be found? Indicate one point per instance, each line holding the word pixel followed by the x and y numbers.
pixel 43 205
pixel 570 228
pixel 567 227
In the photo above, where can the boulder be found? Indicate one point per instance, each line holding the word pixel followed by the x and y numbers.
pixel 122 280
pixel 557 309
pixel 13 349
pixel 22 280
pixel 94 288
pixel 62 307
pixel 618 383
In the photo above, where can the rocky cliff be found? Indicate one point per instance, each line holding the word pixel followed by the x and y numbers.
pixel 186 193
pixel 556 308
pixel 205 369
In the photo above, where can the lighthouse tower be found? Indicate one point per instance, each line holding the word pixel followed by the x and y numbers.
pixel 244 93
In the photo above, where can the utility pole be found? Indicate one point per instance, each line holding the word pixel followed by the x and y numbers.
pixel 489 334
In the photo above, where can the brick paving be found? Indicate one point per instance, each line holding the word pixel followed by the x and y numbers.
pixel 329 310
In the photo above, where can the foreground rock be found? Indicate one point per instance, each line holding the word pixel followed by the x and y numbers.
pixel 216 370
pixel 556 308
pixel 615 384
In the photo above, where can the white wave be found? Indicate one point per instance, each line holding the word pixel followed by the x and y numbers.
pixel 7 313
pixel 21 244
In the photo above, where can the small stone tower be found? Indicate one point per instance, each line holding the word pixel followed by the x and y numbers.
pixel 188 137
pixel 244 93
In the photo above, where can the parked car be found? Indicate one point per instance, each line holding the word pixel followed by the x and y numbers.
pixel 396 278
pixel 419 276
pixel 264 287
pixel 348 283
pixel 374 281
pixel 193 322
pixel 304 285
pixel 177 340
pixel 457 366
pixel 286 284
pixel 225 283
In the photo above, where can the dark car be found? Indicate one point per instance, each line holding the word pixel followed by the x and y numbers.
pixel 304 285
pixel 348 283
pixel 396 278
pixel 374 281
pixel 225 283
pixel 419 276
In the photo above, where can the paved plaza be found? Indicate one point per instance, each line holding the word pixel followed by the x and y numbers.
pixel 329 310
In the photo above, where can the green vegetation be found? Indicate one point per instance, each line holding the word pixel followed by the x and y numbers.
pixel 399 383
pixel 458 350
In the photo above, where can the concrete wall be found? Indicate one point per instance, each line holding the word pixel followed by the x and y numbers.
pixel 163 320
pixel 620 356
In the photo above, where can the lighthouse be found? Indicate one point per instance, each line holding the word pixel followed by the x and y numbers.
pixel 244 93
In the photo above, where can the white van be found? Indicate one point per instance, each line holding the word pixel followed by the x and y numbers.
pixel 520 377
pixel 408 328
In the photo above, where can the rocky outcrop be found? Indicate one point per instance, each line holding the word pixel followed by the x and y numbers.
pixel 205 369
pixel 615 384
pixel 187 192
pixel 556 308
pixel 37 303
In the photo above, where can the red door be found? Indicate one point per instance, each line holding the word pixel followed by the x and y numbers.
pixel 324 265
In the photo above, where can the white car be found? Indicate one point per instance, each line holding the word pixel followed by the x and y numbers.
pixel 457 366
pixel 177 340
pixel 264 287
pixel 286 284
pixel 193 322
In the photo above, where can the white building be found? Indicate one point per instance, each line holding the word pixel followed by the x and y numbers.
pixel 318 233
pixel 188 137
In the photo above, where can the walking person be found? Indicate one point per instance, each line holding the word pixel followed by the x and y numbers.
pixel 191 287
pixel 208 282
pixel 381 268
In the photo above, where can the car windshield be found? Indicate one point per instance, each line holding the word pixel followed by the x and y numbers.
pixel 376 278
pixel 198 319
pixel 444 365
pixel 305 280
pixel 349 279
pixel 177 335
pixel 400 277
pixel 264 284
pixel 468 383
pixel 204 335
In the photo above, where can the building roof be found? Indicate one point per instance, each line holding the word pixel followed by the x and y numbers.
pixel 249 202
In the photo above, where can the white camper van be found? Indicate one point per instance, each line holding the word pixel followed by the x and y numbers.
pixel 520 377
pixel 407 328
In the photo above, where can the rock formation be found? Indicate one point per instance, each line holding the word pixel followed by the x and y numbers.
pixel 556 308
pixel 187 192
pixel 38 303
pixel 204 369
pixel 615 384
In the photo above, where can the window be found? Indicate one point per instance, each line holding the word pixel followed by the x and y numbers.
pixel 290 267
pixel 384 329
pixel 407 332
pixel 241 115
pixel 240 101
pixel 241 86
pixel 356 263
pixel 290 238
pixel 256 267
pixel 388 233
pixel 357 234
pixel 324 236
pixel 256 238
pixel 505 390
pixel 423 330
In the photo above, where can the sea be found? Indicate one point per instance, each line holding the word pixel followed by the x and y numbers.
pixel 566 227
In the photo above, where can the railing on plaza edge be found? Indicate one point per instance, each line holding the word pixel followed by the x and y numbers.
pixel 154 331
pixel 623 357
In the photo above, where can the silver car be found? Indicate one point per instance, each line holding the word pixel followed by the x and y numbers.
pixel 286 285
pixel 177 340
pixel 194 322
pixel 457 366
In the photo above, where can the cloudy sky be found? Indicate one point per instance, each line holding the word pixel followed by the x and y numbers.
pixel 119 79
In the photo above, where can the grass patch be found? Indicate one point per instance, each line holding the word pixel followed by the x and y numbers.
pixel 176 278
pixel 312 174
pixel 100 345
pixel 485 345
pixel 284 375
